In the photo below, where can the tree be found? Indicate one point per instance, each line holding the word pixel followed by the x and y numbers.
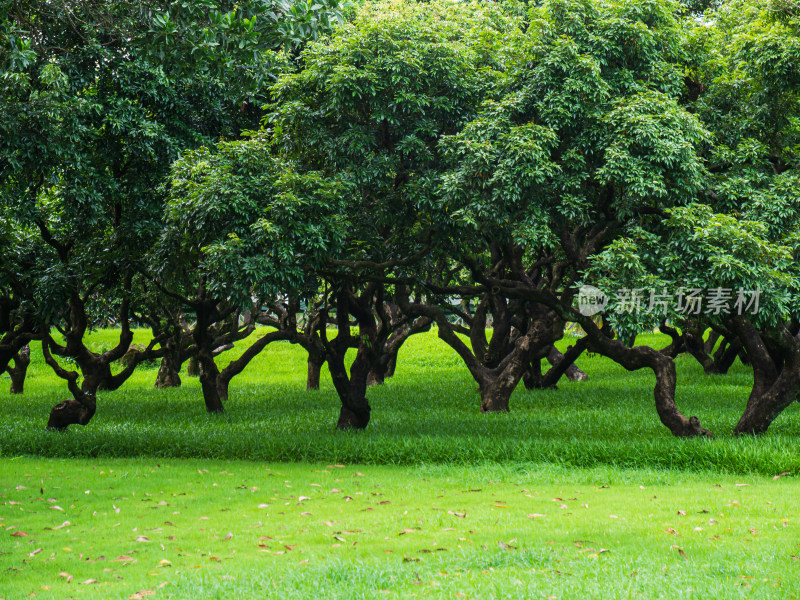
pixel 588 139
pixel 242 228
pixel 369 108
pixel 740 238
pixel 91 119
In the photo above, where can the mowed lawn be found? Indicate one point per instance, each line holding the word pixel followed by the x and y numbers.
pixel 123 528
pixel 577 493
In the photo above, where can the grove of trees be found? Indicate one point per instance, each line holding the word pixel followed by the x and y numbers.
pixel 350 175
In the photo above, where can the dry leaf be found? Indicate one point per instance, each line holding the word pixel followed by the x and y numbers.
pixel 504 546
pixel 88 581
pixel 19 533
pixel 680 551
pixel 141 538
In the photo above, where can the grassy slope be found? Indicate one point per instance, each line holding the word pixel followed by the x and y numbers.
pixel 427 413
pixel 243 530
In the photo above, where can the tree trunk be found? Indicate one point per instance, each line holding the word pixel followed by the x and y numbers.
pixel 355 410
pixel 663 367
pixel 169 371
pixel 20 369
pixel 562 364
pixel 72 412
pixel 193 367
pixel 763 407
pixel 315 362
pixel 726 355
pixel 390 368
pixel 209 382
pixel 570 369
pixel 776 376
pixel 80 409
pixel 375 377
pixel 496 392
pixel 533 375
pixel 697 348
pixel 222 387
pixel 211 397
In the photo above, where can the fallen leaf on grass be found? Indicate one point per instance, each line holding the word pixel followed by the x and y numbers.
pixel 784 474
pixel 460 515
pixel 141 594
pixel 66 576
pixel 535 516
pixel 88 581
pixel 504 546
pixel 19 533
pixel 229 536
pixel 141 538
pixel 680 551
pixel 35 552
pixel 409 559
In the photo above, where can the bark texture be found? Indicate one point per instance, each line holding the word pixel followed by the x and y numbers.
pixel 775 359
pixel 20 369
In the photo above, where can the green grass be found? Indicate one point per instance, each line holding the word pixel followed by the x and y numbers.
pixel 579 492
pixel 209 529
pixel 427 413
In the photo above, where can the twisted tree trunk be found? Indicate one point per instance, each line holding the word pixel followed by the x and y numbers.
pixel 20 369
pixel 315 362
pixel 775 358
